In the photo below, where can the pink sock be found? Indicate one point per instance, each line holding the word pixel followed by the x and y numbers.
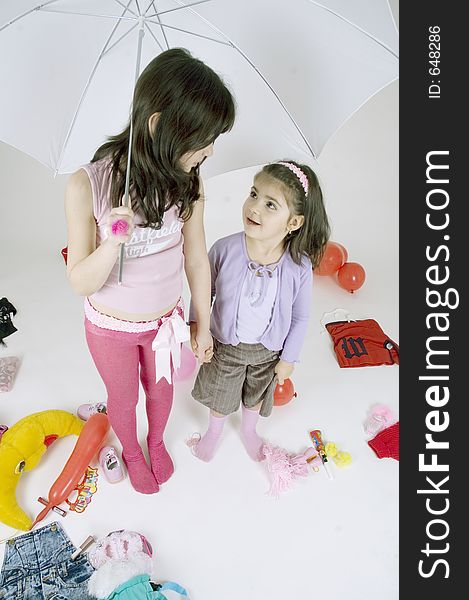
pixel 141 477
pixel 252 442
pixel 161 462
pixel 159 400
pixel 207 445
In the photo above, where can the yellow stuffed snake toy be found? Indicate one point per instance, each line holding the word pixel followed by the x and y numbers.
pixel 21 449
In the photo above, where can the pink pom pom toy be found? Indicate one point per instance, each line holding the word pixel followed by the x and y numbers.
pixel 119 227
pixel 285 468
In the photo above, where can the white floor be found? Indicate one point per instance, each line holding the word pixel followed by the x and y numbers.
pixel 214 528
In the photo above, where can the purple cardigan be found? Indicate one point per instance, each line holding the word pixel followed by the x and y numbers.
pixel 287 330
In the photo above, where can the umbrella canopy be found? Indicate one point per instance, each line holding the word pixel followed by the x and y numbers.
pixel 298 70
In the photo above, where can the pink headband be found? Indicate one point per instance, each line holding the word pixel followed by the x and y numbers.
pixel 299 173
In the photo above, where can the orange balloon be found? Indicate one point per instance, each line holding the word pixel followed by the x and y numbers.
pixel 351 276
pixel 332 259
pixel 89 441
pixel 284 393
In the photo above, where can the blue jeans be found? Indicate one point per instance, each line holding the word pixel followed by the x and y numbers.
pixel 37 566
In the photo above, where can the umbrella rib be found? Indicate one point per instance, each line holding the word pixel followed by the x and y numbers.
pixel 280 101
pixel 164 12
pixel 80 14
pixel 85 90
pixel 360 106
pixel 249 61
pixel 148 8
pixel 138 8
pixel 127 8
pixel 206 37
pixel 352 24
pixel 159 21
pixel 120 39
pixel 150 4
pixel 26 13
pixel 155 38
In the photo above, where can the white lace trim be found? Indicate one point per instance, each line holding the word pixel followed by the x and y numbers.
pixel 108 322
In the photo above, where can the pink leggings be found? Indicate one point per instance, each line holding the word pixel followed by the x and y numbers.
pixel 117 356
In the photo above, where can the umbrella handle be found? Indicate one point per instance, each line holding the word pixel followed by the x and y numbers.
pixel 124 203
pixel 121 263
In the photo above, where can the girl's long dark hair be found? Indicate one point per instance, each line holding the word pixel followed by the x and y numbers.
pixel 311 238
pixel 195 107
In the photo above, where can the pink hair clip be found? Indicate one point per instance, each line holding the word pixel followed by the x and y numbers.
pixel 299 173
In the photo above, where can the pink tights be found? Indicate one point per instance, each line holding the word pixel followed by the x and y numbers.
pixel 119 356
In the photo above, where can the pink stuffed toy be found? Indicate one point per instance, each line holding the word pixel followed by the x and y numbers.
pixel 379 417
pixel 123 563
pixel 118 558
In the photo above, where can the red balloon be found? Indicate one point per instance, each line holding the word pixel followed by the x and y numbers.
pixel 89 441
pixel 344 250
pixel 351 276
pixel 332 259
pixel 284 393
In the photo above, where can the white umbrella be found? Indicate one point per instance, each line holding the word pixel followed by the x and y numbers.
pixel 298 70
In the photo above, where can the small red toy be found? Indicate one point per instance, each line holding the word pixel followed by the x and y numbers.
pixel 284 393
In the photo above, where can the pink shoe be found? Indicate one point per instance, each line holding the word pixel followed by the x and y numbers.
pixel 84 411
pixel 110 464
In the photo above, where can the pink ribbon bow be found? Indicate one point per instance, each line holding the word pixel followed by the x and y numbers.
pixel 167 345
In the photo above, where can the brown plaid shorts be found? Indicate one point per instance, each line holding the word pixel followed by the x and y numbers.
pixel 237 373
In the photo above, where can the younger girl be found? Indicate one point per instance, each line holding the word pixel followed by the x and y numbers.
pixel 134 329
pixel 262 283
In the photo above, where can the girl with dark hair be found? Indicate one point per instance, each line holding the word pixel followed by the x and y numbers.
pixel 134 328
pixel 262 284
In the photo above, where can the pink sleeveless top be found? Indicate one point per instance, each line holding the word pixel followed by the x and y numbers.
pixel 152 273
